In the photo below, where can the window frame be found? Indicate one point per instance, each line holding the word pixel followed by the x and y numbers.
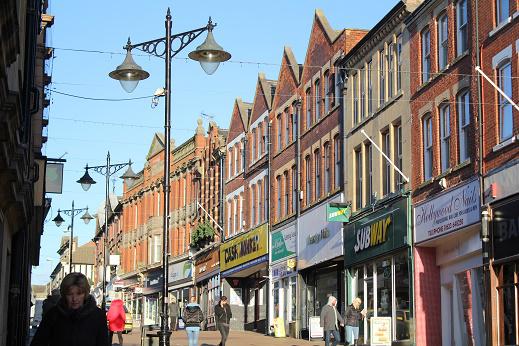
pixel 317 167
pixel 308 104
pixel 381 78
pixel 427 142
pixel 398 153
pixel 463 102
pixel 506 114
pixel 279 131
pixel 461 27
pixel 308 178
pixel 279 196
pixel 386 170
pixel 445 136
pixel 443 40
pixel 425 36
pixel 326 92
pixel 317 91
pixel 390 69
pixel 358 178
pixel 355 95
pixel 327 168
pixel 502 11
pixel 370 86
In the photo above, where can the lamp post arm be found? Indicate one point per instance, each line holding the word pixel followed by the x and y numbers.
pixel 72 213
pixel 184 39
pixel 109 170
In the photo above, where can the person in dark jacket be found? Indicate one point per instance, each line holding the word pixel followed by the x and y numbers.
pixel 75 320
pixel 173 313
pixel 353 317
pixel 329 321
pixel 223 315
pixel 192 317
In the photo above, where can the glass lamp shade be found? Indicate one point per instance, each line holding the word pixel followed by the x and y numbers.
pixel 86 180
pixel 129 73
pixel 86 217
pixel 210 54
pixel 209 67
pixel 129 176
pixel 58 220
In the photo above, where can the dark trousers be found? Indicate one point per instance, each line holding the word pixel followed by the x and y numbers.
pixel 336 337
pixel 174 321
pixel 223 328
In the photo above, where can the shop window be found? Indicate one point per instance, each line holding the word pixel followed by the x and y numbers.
pixel 508 303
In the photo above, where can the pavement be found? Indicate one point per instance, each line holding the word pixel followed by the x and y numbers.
pixel 210 338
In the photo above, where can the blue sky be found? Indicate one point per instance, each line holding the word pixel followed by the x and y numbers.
pixel 84 130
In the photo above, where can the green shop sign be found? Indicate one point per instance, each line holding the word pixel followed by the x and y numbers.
pixel 376 233
pixel 283 243
pixel 338 212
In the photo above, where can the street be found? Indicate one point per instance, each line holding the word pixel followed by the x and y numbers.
pixel 210 338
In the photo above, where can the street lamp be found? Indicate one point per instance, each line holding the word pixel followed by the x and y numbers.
pixel 58 220
pixel 209 54
pixel 86 181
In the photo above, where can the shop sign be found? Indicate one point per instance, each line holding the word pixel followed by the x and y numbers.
pixel 180 271
pixel 283 243
pixel 153 282
pixel 381 331
pixel 447 213
pixel 206 264
pixel 244 248
pixel 320 240
pixel 376 233
pixel 505 230
pixel 338 212
pixel 281 270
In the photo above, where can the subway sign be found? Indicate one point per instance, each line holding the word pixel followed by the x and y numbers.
pixel 373 234
pixel 244 248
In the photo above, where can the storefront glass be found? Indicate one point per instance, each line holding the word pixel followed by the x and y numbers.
pixel 509 302
pixel 276 299
pixel 402 301
pixel 384 291
pixel 293 297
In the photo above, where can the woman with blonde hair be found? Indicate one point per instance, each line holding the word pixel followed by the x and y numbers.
pixel 75 320
pixel 353 317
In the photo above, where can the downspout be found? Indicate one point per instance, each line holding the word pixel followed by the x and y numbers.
pixel 269 283
pixel 220 193
pixel 298 204
pixel 485 246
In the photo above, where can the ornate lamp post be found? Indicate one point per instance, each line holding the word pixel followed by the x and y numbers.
pixel 58 220
pixel 86 181
pixel 209 54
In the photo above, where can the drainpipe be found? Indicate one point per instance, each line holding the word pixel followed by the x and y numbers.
pixel 269 283
pixel 298 203
pixel 485 246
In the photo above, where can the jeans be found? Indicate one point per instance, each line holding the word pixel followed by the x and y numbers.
pixel 192 335
pixel 174 323
pixel 223 328
pixel 352 333
pixel 336 337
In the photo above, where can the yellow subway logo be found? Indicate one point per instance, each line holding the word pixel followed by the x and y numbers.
pixel 372 235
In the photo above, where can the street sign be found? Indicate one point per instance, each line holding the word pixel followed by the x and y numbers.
pixel 338 212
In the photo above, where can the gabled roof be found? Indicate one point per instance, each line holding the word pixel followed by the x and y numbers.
pixel 157 145
pixel 244 108
pixel 331 33
pixel 289 78
pixel 292 62
pixel 266 88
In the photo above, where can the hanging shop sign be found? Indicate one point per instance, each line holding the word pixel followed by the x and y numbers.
pixel 244 248
pixel 338 212
pixel 319 239
pixel 153 282
pixel 207 264
pixel 505 230
pixel 180 271
pixel 283 243
pixel 282 270
pixel 452 210
pixel 376 233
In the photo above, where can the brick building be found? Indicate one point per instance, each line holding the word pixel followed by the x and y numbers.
pixel 498 49
pixel 377 121
pixel 446 189
pixel 195 172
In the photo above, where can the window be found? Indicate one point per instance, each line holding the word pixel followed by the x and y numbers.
pixel 427 148
pixel 258 141
pixel 229 160
pixel 445 135
pixel 355 100
pixel 338 83
pixel 370 87
pixel 294 189
pixel 426 55
pixel 399 62
pixel 229 218
pixel 462 27
pixel 286 193
pixel 390 68
pixel 308 99
pixel 242 213
pixel 506 123
pixel 464 121
pixel 308 177
pixel 362 93
pixel 358 181
pixel 236 219
pixel 369 174
pixel 398 155
pixel 236 160
pixel 279 125
pixel 264 136
pixel 386 166
pixel 337 159
pixel 502 10
pixel 326 92
pixel 278 193
pixel 381 78
pixel 327 168
pixel 157 245
pixel 253 205
pixel 317 99
pixel 260 202
pixel 266 194
pixel 443 43
pixel 287 126
pixel 253 145
pixel 243 152
pixel 331 89
pixel 295 115
pixel 317 162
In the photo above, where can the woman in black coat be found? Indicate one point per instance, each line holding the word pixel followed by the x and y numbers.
pixel 75 320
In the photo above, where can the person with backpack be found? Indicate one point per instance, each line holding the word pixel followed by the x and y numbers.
pixel 223 315
pixel 193 316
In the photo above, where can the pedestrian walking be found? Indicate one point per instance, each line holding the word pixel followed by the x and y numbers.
pixel 75 320
pixel 353 317
pixel 223 315
pixel 116 319
pixel 173 313
pixel 330 319
pixel 49 303
pixel 192 317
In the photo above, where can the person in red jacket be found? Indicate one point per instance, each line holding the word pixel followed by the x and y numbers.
pixel 116 319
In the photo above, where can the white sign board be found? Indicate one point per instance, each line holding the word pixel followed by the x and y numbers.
pixel 315 329
pixel 447 213
pixel 380 331
pixel 115 260
pixel 235 297
pixel 318 239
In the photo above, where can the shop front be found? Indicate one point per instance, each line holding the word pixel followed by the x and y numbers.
pixel 505 271
pixel 320 263
pixel 207 278
pixel 153 285
pixel 378 263
pixel 244 273
pixel 130 286
pixel 180 282
pixel 283 273
pixel 447 237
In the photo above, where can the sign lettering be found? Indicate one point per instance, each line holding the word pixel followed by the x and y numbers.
pixel 372 235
